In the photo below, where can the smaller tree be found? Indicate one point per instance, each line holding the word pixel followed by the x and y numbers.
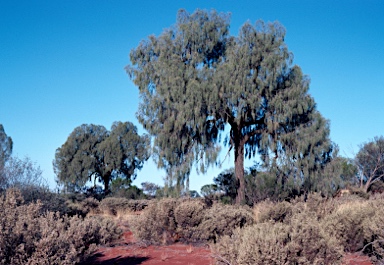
pixel 93 152
pixel 370 162
pixel 22 173
pixel 150 188
pixel 208 190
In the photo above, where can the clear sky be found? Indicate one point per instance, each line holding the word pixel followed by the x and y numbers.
pixel 62 65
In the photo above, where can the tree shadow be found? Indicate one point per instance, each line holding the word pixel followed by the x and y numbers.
pixel 114 261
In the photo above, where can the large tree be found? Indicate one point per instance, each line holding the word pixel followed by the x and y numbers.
pixel 91 151
pixel 195 79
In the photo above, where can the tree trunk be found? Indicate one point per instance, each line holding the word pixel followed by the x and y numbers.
pixel 239 169
pixel 106 180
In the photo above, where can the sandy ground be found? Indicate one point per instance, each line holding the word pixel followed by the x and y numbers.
pixel 130 252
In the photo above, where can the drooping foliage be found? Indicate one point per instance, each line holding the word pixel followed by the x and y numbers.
pixel 6 145
pixel 171 73
pixel 91 151
pixel 195 79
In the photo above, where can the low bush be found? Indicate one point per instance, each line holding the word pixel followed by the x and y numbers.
pixel 188 215
pixel 276 212
pixel 373 227
pixel 221 220
pixel 156 224
pixel 188 220
pixel 30 235
pixel 346 224
pixel 120 206
pixel 302 241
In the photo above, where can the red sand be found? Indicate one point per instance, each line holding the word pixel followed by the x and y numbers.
pixel 130 252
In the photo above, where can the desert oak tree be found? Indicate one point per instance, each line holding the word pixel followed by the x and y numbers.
pixel 91 151
pixel 195 79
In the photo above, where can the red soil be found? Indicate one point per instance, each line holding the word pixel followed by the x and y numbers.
pixel 356 259
pixel 130 252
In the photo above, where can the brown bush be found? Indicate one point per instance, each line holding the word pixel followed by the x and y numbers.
pixel 300 242
pixel 188 216
pixel 119 205
pixel 221 220
pixel 346 224
pixel 157 224
pixel 168 220
pixel 276 212
pixel 30 236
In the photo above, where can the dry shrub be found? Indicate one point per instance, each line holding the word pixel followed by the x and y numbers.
pixel 191 220
pixel 276 212
pixel 120 206
pixel 373 227
pixel 221 220
pixel 300 242
pixel 346 224
pixel 157 222
pixel 30 236
pixel 188 216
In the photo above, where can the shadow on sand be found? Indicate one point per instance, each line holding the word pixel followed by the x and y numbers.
pixel 114 261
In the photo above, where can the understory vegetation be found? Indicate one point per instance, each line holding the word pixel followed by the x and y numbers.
pixel 312 230
pixel 31 235
pixel 202 89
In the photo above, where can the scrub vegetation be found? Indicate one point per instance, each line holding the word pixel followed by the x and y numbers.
pixel 301 203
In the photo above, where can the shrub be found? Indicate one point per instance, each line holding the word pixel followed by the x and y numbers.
pixel 373 227
pixel 188 216
pixel 346 224
pixel 157 223
pixel 119 206
pixel 188 220
pixel 300 242
pixel 28 235
pixel 221 220
pixel 276 212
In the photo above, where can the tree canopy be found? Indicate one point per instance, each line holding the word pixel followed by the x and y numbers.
pixel 370 162
pixel 195 79
pixel 6 145
pixel 91 151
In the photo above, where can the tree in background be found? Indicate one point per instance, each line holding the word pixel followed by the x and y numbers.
pixel 195 79
pixel 150 188
pixel 6 145
pixel 370 162
pixel 91 151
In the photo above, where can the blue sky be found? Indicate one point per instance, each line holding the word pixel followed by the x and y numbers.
pixel 62 65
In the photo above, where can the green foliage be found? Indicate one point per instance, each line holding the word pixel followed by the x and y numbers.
pixel 194 79
pixel 92 151
pixel 6 146
pixel 30 236
pixel 150 188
